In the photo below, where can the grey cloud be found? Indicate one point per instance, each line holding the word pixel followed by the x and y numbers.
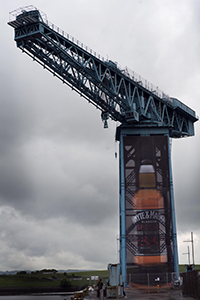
pixel 58 175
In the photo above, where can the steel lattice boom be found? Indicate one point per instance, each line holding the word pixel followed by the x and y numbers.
pixel 116 92
pixel 148 119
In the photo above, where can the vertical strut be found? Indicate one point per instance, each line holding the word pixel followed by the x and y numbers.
pixel 122 213
pixel 175 248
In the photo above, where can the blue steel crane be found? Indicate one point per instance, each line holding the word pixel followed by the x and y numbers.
pixel 120 94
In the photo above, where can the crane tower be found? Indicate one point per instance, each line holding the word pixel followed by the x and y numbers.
pixel 148 119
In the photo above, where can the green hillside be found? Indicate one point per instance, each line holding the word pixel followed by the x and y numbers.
pixel 53 279
pixel 50 279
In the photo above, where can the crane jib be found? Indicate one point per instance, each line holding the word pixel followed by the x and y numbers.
pixel 119 93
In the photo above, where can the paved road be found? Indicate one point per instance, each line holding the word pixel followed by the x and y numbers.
pixel 134 294
pixel 164 295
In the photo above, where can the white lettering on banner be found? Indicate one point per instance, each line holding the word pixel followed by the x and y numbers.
pixel 148 214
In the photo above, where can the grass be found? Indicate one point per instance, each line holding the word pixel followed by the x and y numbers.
pixel 182 268
pixel 50 280
pixel 14 281
pixel 39 279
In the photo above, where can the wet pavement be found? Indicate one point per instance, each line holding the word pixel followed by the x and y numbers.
pixel 136 294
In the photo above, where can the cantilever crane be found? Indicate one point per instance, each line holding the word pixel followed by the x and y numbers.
pixel 123 96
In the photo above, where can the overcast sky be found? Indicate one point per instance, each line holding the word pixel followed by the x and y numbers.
pixel 59 178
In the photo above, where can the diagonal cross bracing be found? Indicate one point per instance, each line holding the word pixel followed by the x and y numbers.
pixel 103 83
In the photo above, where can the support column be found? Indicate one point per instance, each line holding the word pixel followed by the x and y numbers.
pixel 175 248
pixel 122 214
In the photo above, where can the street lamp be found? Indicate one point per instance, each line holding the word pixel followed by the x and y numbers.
pixel 188 253
pixel 191 241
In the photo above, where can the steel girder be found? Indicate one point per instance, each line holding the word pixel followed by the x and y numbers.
pixel 101 82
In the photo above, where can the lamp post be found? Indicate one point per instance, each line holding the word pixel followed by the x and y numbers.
pixel 192 241
pixel 188 253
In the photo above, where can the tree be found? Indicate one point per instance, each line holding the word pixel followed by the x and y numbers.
pixel 21 273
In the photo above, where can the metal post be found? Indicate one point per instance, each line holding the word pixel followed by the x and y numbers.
pixel 191 241
pixel 192 248
pixel 148 282
pixel 188 254
pixel 176 263
pixel 167 281
pixel 122 215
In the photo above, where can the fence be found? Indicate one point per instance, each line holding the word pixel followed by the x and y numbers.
pixel 155 280
pixel 191 284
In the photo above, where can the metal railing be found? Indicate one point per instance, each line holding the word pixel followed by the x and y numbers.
pixel 126 71
pixel 13 14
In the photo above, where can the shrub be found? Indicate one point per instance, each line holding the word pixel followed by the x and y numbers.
pixel 65 283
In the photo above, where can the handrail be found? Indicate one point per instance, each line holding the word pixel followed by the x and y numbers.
pixel 126 71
